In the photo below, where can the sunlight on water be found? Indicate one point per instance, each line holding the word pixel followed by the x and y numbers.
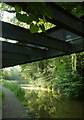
pixel 48 104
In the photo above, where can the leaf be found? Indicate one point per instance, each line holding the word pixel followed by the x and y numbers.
pixel 42 27
pixel 29 19
pixel 19 17
pixel 24 18
pixel 17 8
pixel 34 28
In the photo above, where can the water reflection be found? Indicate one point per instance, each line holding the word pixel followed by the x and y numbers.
pixel 48 104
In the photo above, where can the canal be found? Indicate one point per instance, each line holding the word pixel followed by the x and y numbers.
pixel 48 104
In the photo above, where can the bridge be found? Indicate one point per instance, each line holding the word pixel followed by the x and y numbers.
pixel 66 38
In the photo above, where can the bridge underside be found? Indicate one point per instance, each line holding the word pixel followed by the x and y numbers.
pixel 40 46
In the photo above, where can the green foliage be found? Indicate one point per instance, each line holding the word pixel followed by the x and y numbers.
pixel 20 94
pixel 12 73
pixel 31 15
pixel 22 18
pixel 32 114
pixel 74 87
pixel 34 28
pixel 48 104
pixel 17 8
pixel 75 8
pixel 15 88
pixel 57 74
pixel 2 94
pixel 28 13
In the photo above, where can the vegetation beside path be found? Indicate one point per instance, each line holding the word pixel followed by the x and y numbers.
pixel 2 94
pixel 38 103
pixel 14 86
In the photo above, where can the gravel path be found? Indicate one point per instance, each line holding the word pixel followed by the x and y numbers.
pixel 11 106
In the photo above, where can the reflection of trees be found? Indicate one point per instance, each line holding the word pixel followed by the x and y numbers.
pixel 46 104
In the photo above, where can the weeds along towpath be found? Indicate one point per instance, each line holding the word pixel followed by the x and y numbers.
pixel 11 106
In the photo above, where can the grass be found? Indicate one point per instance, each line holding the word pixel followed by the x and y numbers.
pixel 2 94
pixel 23 82
pixel 15 88
pixel 16 81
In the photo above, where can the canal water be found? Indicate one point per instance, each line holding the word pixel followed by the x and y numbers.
pixel 48 104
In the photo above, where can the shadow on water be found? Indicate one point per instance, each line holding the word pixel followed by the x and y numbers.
pixel 48 104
